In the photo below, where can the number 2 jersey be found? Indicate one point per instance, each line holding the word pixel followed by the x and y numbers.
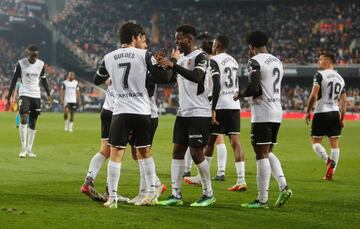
pixel 266 107
pixel 332 85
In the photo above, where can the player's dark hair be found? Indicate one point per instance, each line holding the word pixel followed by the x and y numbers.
pixel 128 30
pixel 187 30
pixel 257 39
pixel 32 48
pixel 223 41
pixel 329 55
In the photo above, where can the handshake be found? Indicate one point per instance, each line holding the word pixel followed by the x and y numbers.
pixel 160 57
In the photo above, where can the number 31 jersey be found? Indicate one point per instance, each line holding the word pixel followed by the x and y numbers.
pixel 332 85
pixel 266 107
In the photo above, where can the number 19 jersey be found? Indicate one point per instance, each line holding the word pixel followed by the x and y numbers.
pixel 331 86
pixel 267 106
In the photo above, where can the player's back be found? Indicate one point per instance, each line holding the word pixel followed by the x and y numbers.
pixel 193 102
pixel 331 86
pixel 228 68
pixel 127 70
pixel 267 106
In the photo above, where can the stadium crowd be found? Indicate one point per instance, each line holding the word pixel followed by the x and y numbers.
pixel 302 30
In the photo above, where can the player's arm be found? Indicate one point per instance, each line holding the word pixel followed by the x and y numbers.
pixel 16 76
pixel 158 74
pixel 215 75
pixel 78 94
pixel 101 74
pixel 45 85
pixel 254 88
pixel 313 95
pixel 62 93
pixel 343 105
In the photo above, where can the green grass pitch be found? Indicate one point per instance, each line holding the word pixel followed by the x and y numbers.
pixel 45 192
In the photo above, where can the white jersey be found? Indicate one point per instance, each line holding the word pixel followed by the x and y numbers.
pixel 332 85
pixel 70 91
pixel 30 77
pixel 227 67
pixel 127 69
pixel 191 102
pixel 267 106
pixel 109 100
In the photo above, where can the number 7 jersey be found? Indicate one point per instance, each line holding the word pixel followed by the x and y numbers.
pixel 332 85
pixel 266 107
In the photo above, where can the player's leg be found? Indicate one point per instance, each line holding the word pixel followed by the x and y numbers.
pixel 180 140
pixel 334 133
pixel 118 138
pixel 335 151
pixel 17 119
pixel 208 151
pixel 71 119
pixel 142 183
pixel 198 135
pixel 318 130
pixel 24 104
pixel 66 117
pixel 239 157
pixel 33 116
pixel 221 158
pixel 261 141
pixel 188 163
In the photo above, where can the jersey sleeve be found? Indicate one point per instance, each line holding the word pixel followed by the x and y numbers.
pixel 102 71
pixel 317 79
pixel 201 62
pixel 214 68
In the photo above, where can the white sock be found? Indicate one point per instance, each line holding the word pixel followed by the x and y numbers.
pixel 221 158
pixel 188 160
pixel 320 151
pixel 113 176
pixel 142 185
pixel 31 138
pixel 240 171
pixel 204 170
pixel 335 154
pixel 23 135
pixel 177 170
pixel 277 171
pixel 149 172
pixel 66 123
pixel 71 125
pixel 263 179
pixel 95 164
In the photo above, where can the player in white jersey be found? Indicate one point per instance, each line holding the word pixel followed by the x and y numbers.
pixel 194 113
pixel 327 91
pixel 206 45
pixel 127 69
pixel 31 71
pixel 265 75
pixel 70 98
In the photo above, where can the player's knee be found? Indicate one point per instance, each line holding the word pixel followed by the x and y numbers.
pixel 317 147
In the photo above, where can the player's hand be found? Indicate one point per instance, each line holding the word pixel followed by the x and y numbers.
pixel 307 118
pixel 236 96
pixel 213 118
pixel 175 54
pixel 166 63
pixel 50 100
pixel 160 54
pixel 342 124
pixel 7 107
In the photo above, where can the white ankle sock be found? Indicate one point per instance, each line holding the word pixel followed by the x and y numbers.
pixel 95 165
pixel 71 125
pixel 142 185
pixel 240 171
pixel 320 151
pixel 66 123
pixel 204 171
pixel 263 179
pixel 335 154
pixel 177 171
pixel 277 171
pixel 221 158
pixel 149 172
pixel 188 160
pixel 31 138
pixel 23 136
pixel 113 176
